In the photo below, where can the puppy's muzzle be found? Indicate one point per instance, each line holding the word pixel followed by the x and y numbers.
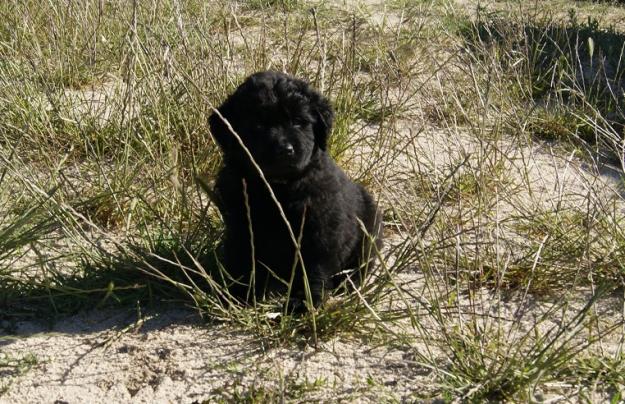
pixel 285 149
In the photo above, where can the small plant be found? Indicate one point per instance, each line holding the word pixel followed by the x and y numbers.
pixel 13 367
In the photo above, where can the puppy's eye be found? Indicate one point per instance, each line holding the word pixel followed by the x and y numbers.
pixel 300 123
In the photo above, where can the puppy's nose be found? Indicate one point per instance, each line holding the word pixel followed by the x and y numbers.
pixel 286 149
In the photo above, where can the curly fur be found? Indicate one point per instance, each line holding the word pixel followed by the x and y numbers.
pixel 285 125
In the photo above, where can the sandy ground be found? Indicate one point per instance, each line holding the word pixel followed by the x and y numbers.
pixel 171 355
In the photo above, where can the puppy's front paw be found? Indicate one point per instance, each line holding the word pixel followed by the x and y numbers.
pixel 298 305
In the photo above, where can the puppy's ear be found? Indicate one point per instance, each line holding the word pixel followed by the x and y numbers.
pixel 220 131
pixel 324 119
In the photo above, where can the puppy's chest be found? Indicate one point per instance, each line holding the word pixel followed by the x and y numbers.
pixel 266 216
pixel 272 239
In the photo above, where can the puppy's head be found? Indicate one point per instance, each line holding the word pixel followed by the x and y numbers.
pixel 281 120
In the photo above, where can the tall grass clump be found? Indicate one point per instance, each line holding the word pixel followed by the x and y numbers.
pixel 570 72
pixel 25 228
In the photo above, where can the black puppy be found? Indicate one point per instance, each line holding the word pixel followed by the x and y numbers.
pixel 285 126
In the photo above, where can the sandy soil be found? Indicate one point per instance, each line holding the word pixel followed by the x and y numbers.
pixel 171 355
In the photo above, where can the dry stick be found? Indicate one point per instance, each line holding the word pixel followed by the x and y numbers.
pixel 243 37
pixel 252 281
pixel 130 64
pixel 322 46
pixel 223 293
pixel 295 260
pixel 430 219
pixel 364 301
pixel 520 312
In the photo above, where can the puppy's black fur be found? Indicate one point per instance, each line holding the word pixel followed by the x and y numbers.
pixel 285 126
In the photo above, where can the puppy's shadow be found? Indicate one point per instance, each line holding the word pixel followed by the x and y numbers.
pixel 112 292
